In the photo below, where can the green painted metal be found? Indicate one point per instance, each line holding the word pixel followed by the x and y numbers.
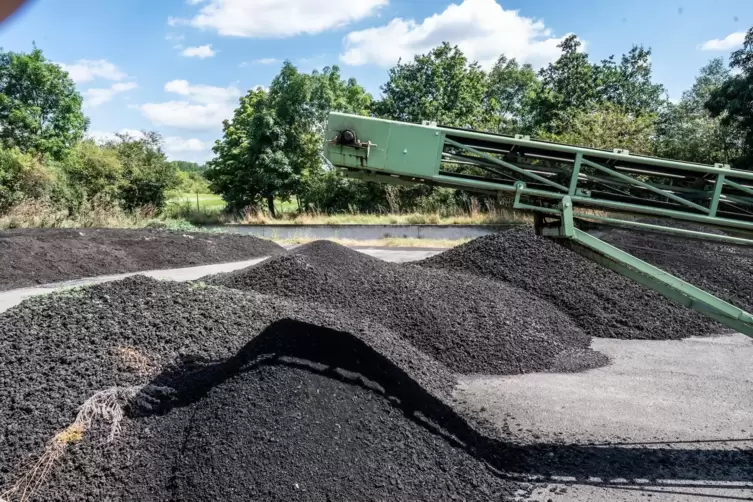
pixel 576 172
pixel 508 165
pixel 647 186
pixel 738 186
pixel 400 153
pixel 718 185
pixel 665 230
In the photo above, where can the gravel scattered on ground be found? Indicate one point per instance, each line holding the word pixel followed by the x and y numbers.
pixel 39 256
pixel 601 302
pixel 472 325
pixel 724 270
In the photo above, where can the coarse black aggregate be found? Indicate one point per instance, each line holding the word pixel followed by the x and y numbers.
pixel 724 270
pixel 38 256
pixel 59 349
pixel 601 302
pixel 267 426
pixel 471 324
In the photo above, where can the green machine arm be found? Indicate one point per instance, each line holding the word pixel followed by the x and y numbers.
pixel 558 182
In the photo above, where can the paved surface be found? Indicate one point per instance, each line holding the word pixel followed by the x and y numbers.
pixel 694 395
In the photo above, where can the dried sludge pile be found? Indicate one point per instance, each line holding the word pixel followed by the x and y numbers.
pixel 470 324
pixel 224 395
pixel 601 302
pixel 320 374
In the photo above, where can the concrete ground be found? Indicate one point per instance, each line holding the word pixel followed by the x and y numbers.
pixel 665 421
pixel 669 420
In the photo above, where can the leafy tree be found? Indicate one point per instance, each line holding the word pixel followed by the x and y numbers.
pixel 441 86
pixel 687 131
pixel 94 171
pixel 40 109
pixel 732 102
pixel 188 167
pixel 272 146
pixel 22 177
pixel 629 85
pixel 568 85
pixel 609 126
pixel 147 175
pixel 509 97
pixel 572 86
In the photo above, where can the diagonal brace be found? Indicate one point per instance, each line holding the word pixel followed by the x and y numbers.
pixel 507 165
pixel 647 186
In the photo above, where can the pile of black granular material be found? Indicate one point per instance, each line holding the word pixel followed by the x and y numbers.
pixel 39 256
pixel 603 303
pixel 188 339
pixel 263 425
pixel 470 324
pixel 725 270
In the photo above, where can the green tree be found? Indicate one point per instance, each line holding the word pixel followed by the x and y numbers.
pixel 147 175
pixel 441 86
pixel 687 131
pixel 509 99
pixel 94 172
pixel 732 102
pixel 609 126
pixel 271 148
pixel 629 85
pixel 568 85
pixel 40 109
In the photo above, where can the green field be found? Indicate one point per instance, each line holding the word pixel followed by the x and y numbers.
pixel 200 201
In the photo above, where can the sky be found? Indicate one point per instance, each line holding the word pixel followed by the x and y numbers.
pixel 178 67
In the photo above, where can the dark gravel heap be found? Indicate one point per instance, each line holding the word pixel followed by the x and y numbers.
pixel 255 428
pixel 603 303
pixel 472 325
pixel 722 269
pixel 39 256
pixel 59 349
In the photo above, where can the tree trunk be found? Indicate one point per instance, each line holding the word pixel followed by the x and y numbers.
pixel 271 205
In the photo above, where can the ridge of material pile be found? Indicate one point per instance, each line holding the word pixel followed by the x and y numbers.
pixel 601 302
pixel 472 325
pixel 40 256
pixel 57 350
pixel 724 270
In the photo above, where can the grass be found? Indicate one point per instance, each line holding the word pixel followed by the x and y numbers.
pixel 500 216
pixel 396 242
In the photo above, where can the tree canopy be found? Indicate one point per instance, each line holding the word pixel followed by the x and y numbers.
pixel 40 108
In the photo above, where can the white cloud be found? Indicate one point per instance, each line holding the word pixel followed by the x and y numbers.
pixel 201 52
pixel 731 41
pixel 86 70
pixel 177 144
pixel 204 106
pixel 481 28
pixel 96 97
pixel 266 61
pixel 194 2
pixel 278 18
pixel 103 137
pixel 174 37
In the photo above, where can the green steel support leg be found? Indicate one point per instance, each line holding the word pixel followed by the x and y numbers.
pixel 650 276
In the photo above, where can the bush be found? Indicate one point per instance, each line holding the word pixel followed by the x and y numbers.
pixel 23 177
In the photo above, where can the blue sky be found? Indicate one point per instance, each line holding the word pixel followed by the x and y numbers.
pixel 179 66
